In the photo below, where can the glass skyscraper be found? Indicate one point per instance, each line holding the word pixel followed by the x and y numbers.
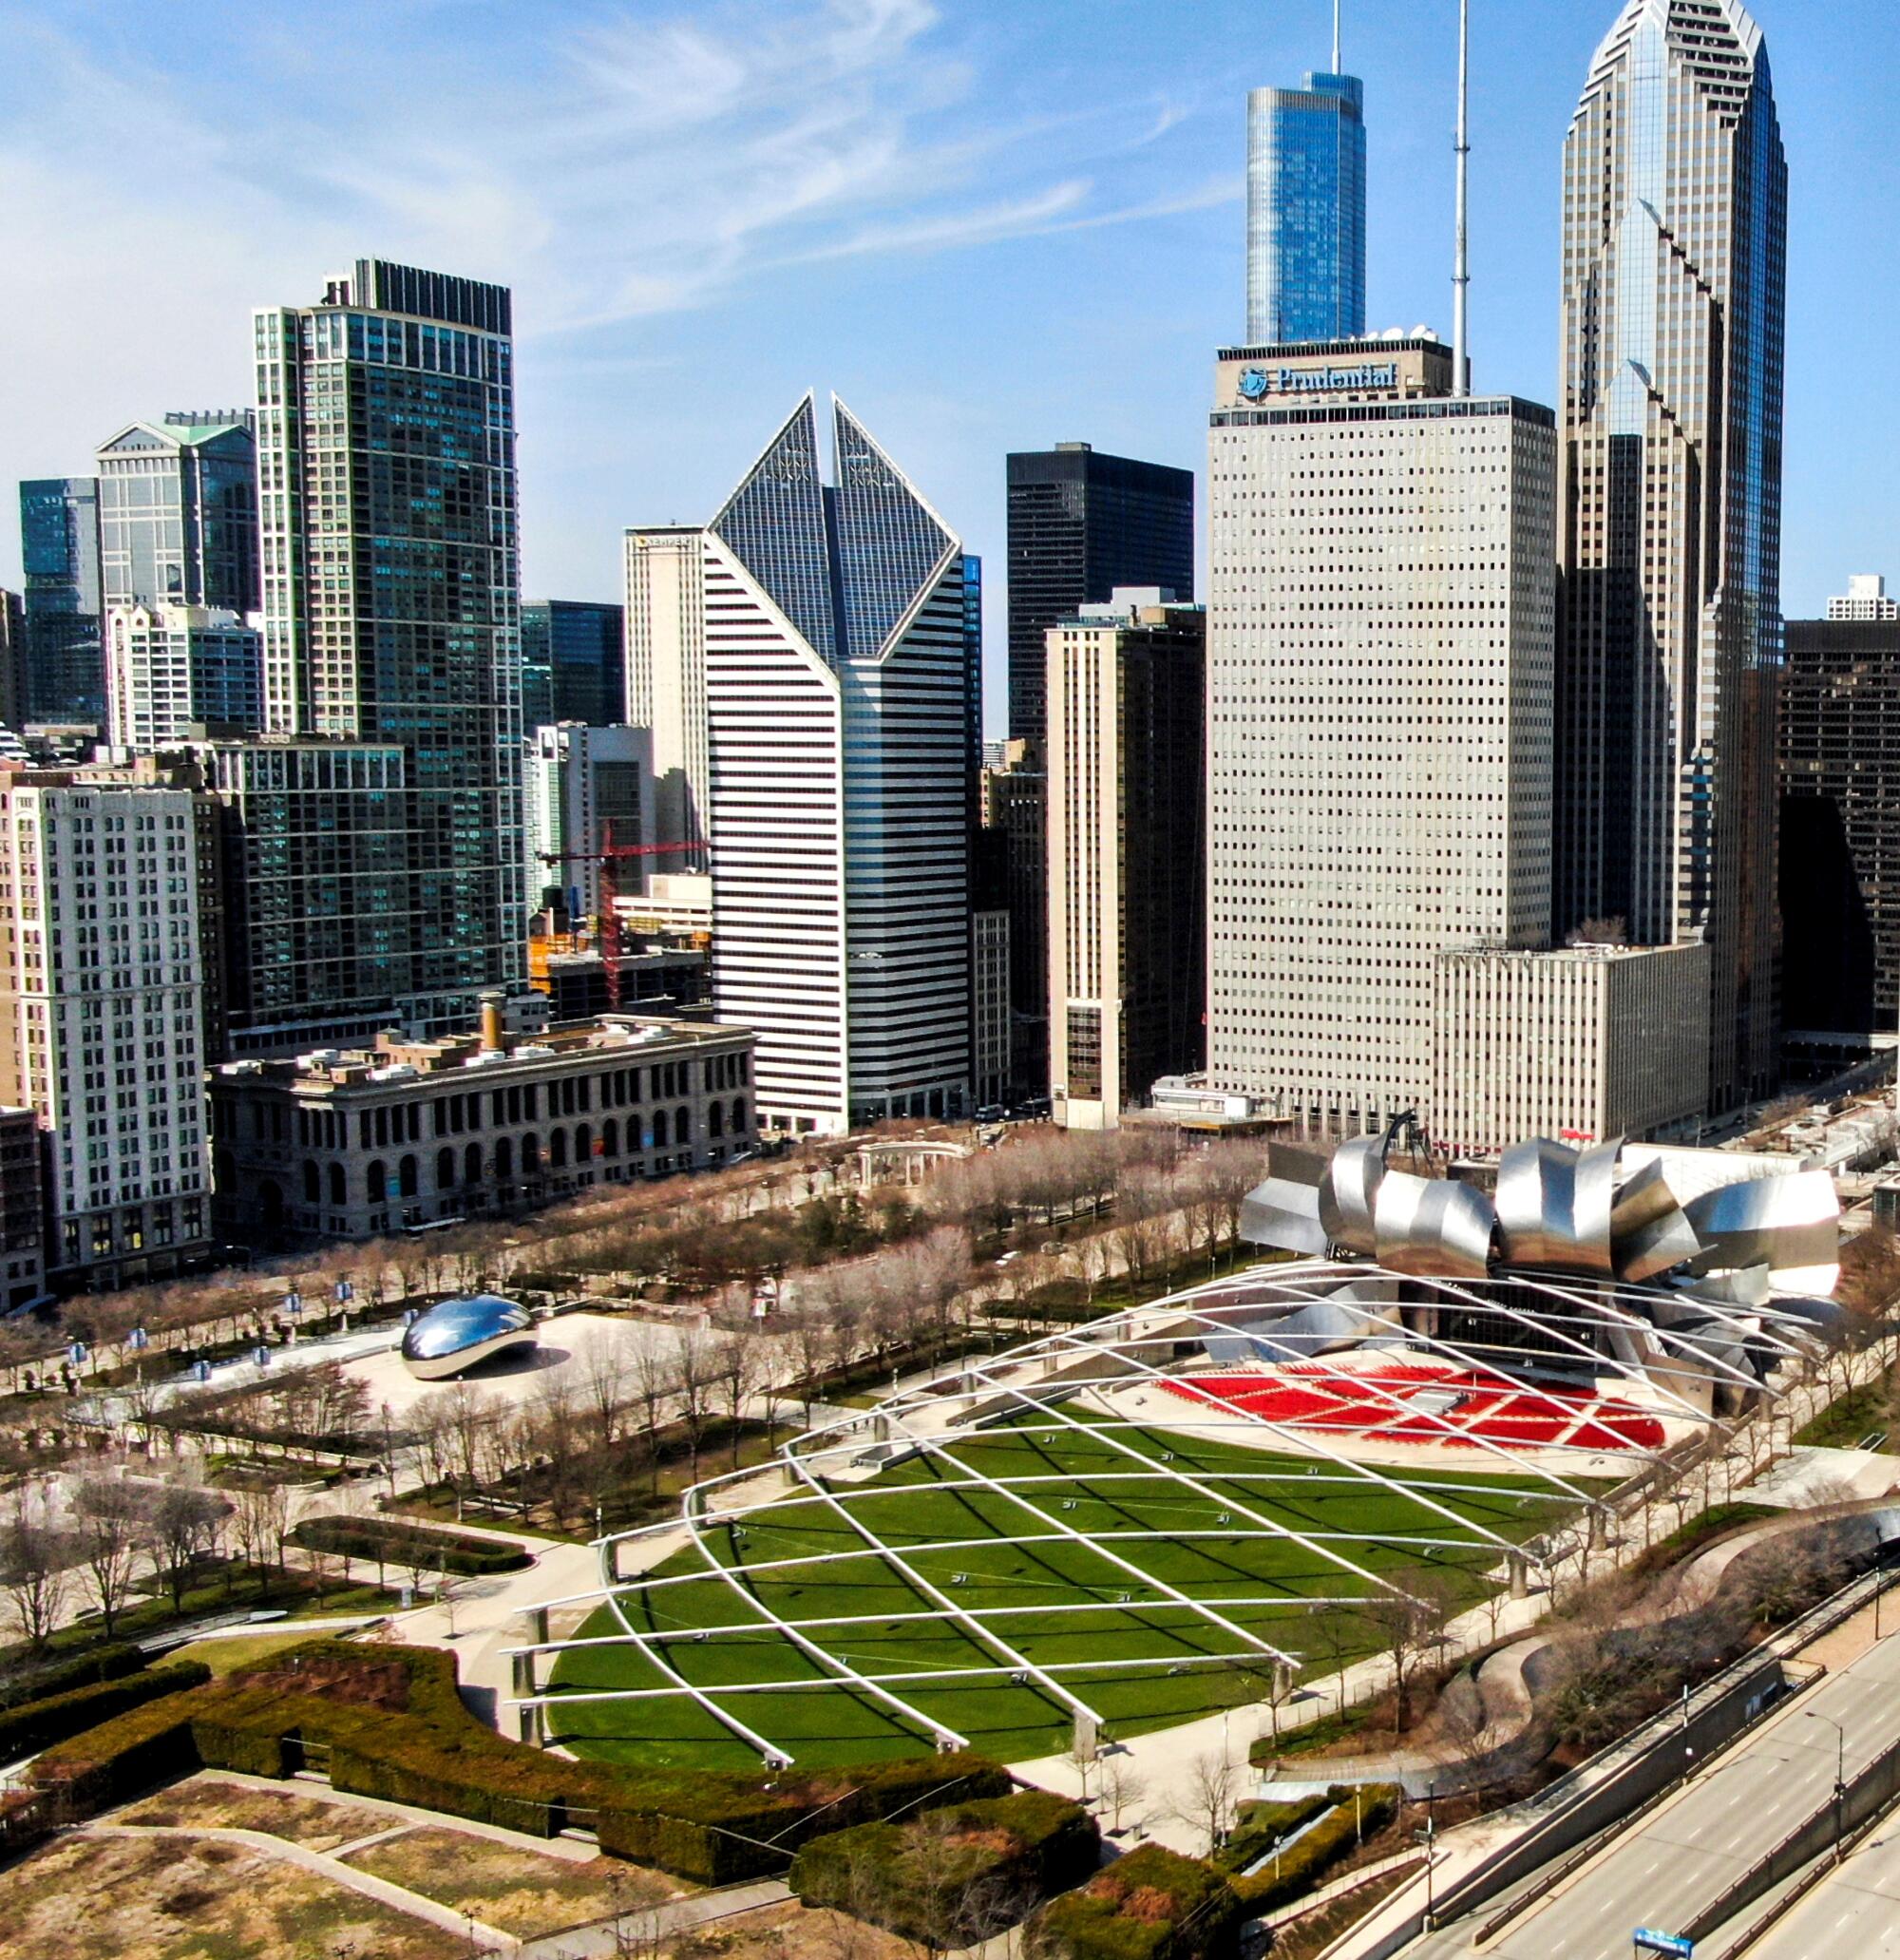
pixel 573 663
pixel 177 513
pixel 385 457
pixel 1675 218
pixel 58 550
pixel 1306 193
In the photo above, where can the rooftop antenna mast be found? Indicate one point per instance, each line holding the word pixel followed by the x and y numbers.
pixel 1461 273
pixel 1336 37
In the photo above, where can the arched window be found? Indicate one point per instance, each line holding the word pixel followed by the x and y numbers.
pixel 444 1168
pixel 583 1142
pixel 312 1189
pixel 376 1182
pixel 610 1138
pixel 660 1128
pixel 338 1184
pixel 738 1115
pixel 505 1161
pixel 530 1156
pixel 716 1118
pixel 557 1149
pixel 471 1164
pixel 408 1177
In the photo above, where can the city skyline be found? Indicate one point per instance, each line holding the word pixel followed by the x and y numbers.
pixel 997 209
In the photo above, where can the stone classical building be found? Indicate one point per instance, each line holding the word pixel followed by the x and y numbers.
pixel 353 1144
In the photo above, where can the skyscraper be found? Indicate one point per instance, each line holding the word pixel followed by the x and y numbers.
pixel 169 666
pixel 58 550
pixel 1380 647
pixel 177 512
pixel 1128 939
pixel 1080 524
pixel 1307 202
pixel 386 435
pixel 1675 193
pixel 822 628
pixel 573 663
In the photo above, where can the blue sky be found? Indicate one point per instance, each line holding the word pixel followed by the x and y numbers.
pixel 988 225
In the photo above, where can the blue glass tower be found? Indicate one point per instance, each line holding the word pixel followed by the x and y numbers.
pixel 1306 181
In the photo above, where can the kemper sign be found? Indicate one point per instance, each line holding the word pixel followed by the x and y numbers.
pixel 1255 382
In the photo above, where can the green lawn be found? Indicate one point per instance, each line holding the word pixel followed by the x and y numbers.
pixel 1266 1587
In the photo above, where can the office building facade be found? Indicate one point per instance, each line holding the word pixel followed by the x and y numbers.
pixel 1306 206
pixel 355 1143
pixel 103 985
pixel 1839 772
pixel 1080 523
pixel 825 626
pixel 168 667
pixel 666 681
pixel 387 495
pixel 576 782
pixel 13 661
pixel 1379 652
pixel 1864 598
pixel 1014 810
pixel 59 553
pixel 177 512
pixel 1675 197
pixel 573 663
pixel 1127 829
pixel 1579 1043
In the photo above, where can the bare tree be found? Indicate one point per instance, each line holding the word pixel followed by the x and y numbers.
pixel 1208 1801
pixel 1122 1785
pixel 694 1368
pixel 655 1384
pixel 183 1520
pixel 735 1363
pixel 33 1567
pixel 1406 1630
pixel 604 1385
pixel 111 1534
pixel 259 1518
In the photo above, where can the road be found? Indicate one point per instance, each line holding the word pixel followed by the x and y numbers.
pixel 1854 1911
pixel 1677 1861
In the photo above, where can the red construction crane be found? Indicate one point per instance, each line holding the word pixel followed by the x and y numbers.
pixel 607 857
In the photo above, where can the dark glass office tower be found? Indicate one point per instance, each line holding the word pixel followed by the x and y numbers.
pixel 177 512
pixel 1081 524
pixel 59 548
pixel 1669 527
pixel 386 455
pixel 573 663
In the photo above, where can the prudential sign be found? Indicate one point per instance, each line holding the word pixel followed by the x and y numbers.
pixel 1257 383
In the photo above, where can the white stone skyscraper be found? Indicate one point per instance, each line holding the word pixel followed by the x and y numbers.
pixel 808 648
pixel 1379 650
pixel 1675 197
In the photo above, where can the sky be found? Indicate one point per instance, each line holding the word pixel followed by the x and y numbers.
pixel 986 225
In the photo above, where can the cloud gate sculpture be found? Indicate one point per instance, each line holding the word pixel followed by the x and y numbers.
pixel 456 1334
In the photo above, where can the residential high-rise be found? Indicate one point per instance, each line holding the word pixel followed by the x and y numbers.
pixel 386 458
pixel 573 663
pixel 1840 819
pixel 1379 650
pixel 102 989
pixel 177 512
pixel 1675 211
pixel 1015 817
pixel 666 679
pixel 170 666
pixel 1127 869
pixel 58 550
pixel 1306 207
pixel 824 628
pixel 13 661
pixel 1080 524
pixel 578 780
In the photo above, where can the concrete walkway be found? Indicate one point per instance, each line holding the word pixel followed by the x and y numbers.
pixel 324 1865
pixel 588 1942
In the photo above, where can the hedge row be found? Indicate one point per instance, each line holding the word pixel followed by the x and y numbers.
pixel 1260 1826
pixel 955 1876
pixel 397 1542
pixel 432 1753
pixel 38 1682
pixel 36 1725
pixel 1150 1905
pixel 1306 1862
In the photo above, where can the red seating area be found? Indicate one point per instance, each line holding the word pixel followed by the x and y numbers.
pixel 1377 1403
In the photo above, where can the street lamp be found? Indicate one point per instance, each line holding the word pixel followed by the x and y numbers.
pixel 1840 1773
pixel 1430 1836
